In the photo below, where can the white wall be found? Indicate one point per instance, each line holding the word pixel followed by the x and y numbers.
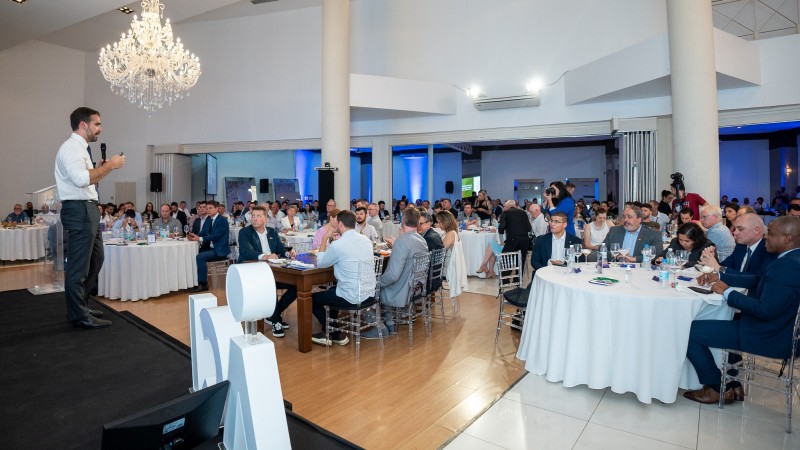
pixel 500 168
pixel 744 170
pixel 40 85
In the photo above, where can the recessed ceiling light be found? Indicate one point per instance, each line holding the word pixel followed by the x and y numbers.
pixel 126 10
pixel 19 1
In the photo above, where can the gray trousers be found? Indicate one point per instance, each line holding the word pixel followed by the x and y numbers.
pixel 81 221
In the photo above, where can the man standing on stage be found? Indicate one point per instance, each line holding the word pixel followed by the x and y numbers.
pixel 75 179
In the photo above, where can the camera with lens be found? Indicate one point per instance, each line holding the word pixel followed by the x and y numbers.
pixel 550 191
pixel 677 180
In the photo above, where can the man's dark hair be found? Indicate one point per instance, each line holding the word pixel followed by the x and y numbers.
pixel 361 208
pixel 201 202
pixel 665 193
pixel 347 218
pixel 82 114
pixel 411 217
pixel 561 214
pixel 175 204
pixel 130 213
pixel 213 203
pixel 382 203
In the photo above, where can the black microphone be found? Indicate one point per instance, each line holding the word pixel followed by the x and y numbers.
pixel 103 151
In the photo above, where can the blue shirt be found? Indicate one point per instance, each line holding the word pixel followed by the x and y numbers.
pixel 722 238
pixel 19 218
pixel 345 255
pixel 629 243
pixel 567 206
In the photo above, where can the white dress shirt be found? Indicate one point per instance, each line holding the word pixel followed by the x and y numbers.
pixel 274 220
pixel 367 230
pixel 539 225
pixel 72 170
pixel 557 253
pixel 265 250
pixel 345 255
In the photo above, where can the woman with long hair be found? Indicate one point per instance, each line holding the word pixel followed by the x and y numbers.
pixel 455 266
pixel 691 238
pixel 731 209
pixel 595 232
pixel 561 200
pixel 483 208
pixel 148 214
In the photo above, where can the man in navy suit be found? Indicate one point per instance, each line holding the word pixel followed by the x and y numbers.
pixel 553 245
pixel 257 242
pixel 750 254
pixel 768 313
pixel 214 245
pixel 632 236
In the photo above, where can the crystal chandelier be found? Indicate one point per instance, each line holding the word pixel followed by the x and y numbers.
pixel 146 66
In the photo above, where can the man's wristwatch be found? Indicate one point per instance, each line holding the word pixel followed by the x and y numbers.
pixel 722 269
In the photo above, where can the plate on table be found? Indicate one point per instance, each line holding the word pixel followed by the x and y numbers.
pixel 277 261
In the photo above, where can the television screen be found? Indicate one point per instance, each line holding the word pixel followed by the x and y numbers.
pixel 211 175
pixel 470 185
pixel 184 422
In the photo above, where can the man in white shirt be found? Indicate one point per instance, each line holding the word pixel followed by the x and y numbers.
pixel 538 224
pixel 362 227
pixel 658 216
pixel 274 216
pixel 75 179
pixel 551 247
pixel 374 218
pixel 184 209
pixel 345 255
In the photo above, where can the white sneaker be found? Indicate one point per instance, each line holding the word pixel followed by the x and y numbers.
pixel 342 341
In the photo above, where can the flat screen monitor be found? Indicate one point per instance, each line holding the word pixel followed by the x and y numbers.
pixel 183 423
pixel 211 175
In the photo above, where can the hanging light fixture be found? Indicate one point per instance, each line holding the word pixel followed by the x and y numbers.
pixel 146 66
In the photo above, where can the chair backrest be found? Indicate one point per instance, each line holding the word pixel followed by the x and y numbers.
pixel 796 333
pixel 418 280
pixel 436 269
pixel 378 266
pixel 367 286
pixel 510 269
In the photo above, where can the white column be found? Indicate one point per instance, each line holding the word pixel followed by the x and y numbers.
pixel 382 170
pixel 430 174
pixel 336 94
pixel 695 122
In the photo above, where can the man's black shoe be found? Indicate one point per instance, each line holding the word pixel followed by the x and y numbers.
pixel 199 288
pixel 96 313
pixel 90 322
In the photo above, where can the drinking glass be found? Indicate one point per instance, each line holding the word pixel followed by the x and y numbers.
pixel 568 255
pixel 576 250
pixel 614 250
pixel 175 231
pixel 623 252
pixel 289 248
pixel 185 230
pixel 586 252
pixel 683 257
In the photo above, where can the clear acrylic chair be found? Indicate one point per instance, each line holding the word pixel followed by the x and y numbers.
pixel 352 319
pixel 435 290
pixel 509 270
pixel 751 366
pixel 417 302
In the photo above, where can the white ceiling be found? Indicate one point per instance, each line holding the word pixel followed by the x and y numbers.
pixel 89 25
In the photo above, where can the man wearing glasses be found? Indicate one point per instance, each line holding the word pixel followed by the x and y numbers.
pixel 553 245
pixel 632 236
pixel 432 238
pixel 18 216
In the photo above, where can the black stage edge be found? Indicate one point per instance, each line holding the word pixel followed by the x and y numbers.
pixel 60 384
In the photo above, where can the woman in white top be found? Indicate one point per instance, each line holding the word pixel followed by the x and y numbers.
pixel 292 221
pixel 595 233
pixel 455 266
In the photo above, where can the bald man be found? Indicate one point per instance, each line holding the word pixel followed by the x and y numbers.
pixel 749 256
pixel 538 224
pixel 794 208
pixel 768 313
pixel 515 224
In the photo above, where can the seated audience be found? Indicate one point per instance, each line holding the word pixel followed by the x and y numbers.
pixel 455 266
pixel 149 213
pixel 595 233
pixel 468 216
pixel 167 223
pixel 767 318
pixel 552 247
pixel 259 243
pixel 447 206
pixel 632 236
pixel 374 218
pixel 29 210
pixel 292 221
pixel 716 231
pixel 658 216
pixel 127 222
pixel 323 230
pixel 690 237
pixel 362 227
pixel 214 245
pixel 425 229
pixel 647 218
pixel 749 255
pixel 275 216
pixel 179 214
pixel 18 215
pixel 345 255
pixel 731 209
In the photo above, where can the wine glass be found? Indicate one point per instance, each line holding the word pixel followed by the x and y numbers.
pixel 175 231
pixel 586 252
pixel 185 230
pixel 289 248
pixel 577 252
pixel 683 257
pixel 623 252
pixel 614 250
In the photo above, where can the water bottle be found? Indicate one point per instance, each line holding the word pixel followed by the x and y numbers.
pixel 151 236
pixel 602 254
pixel 599 265
pixel 670 258
pixel 663 275
pixel 646 257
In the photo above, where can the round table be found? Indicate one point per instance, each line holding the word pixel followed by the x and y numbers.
pixel 631 337
pixel 475 244
pixel 23 243
pixel 138 272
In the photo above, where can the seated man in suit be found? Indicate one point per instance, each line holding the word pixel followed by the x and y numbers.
pixel 214 245
pixel 425 229
pixel 749 256
pixel 553 245
pixel 394 281
pixel 257 242
pixel 632 236
pixel 198 220
pixel 768 313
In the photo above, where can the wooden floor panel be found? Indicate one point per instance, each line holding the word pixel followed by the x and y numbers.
pixel 402 397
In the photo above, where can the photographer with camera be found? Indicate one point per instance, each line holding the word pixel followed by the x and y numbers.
pixel 557 198
pixel 691 200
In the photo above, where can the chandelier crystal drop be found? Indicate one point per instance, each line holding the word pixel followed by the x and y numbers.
pixel 147 66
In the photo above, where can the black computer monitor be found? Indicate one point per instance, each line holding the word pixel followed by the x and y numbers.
pixel 185 422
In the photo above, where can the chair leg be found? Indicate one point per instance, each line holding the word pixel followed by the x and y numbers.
pixel 410 312
pixel 499 321
pixel 327 326
pixel 789 397
pixel 378 323
pixel 724 379
pixel 355 321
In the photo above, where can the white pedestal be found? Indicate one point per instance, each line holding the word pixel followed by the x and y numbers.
pixel 203 360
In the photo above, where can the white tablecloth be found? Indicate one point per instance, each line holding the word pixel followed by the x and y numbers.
pixel 390 229
pixel 629 337
pixel 23 243
pixel 138 272
pixel 475 248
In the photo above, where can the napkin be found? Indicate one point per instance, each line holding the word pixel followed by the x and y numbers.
pixel 711 299
pixel 300 265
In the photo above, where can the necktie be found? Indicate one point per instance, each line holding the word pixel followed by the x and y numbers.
pixel 89 150
pixel 747 259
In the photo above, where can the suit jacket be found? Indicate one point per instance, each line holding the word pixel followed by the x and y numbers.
pixel 218 233
pixel 768 311
pixel 250 244
pixel 543 248
pixel 647 235
pixel 395 280
pixel 433 239
pixel 759 260
pixel 515 224
pixel 694 255
pixel 181 216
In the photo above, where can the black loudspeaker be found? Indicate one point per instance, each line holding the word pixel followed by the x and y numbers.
pixel 448 187
pixel 264 186
pixel 156 182
pixel 325 187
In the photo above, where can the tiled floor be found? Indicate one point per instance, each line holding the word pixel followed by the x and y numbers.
pixel 539 414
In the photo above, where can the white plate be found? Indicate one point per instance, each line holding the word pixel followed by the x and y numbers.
pixel 277 261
